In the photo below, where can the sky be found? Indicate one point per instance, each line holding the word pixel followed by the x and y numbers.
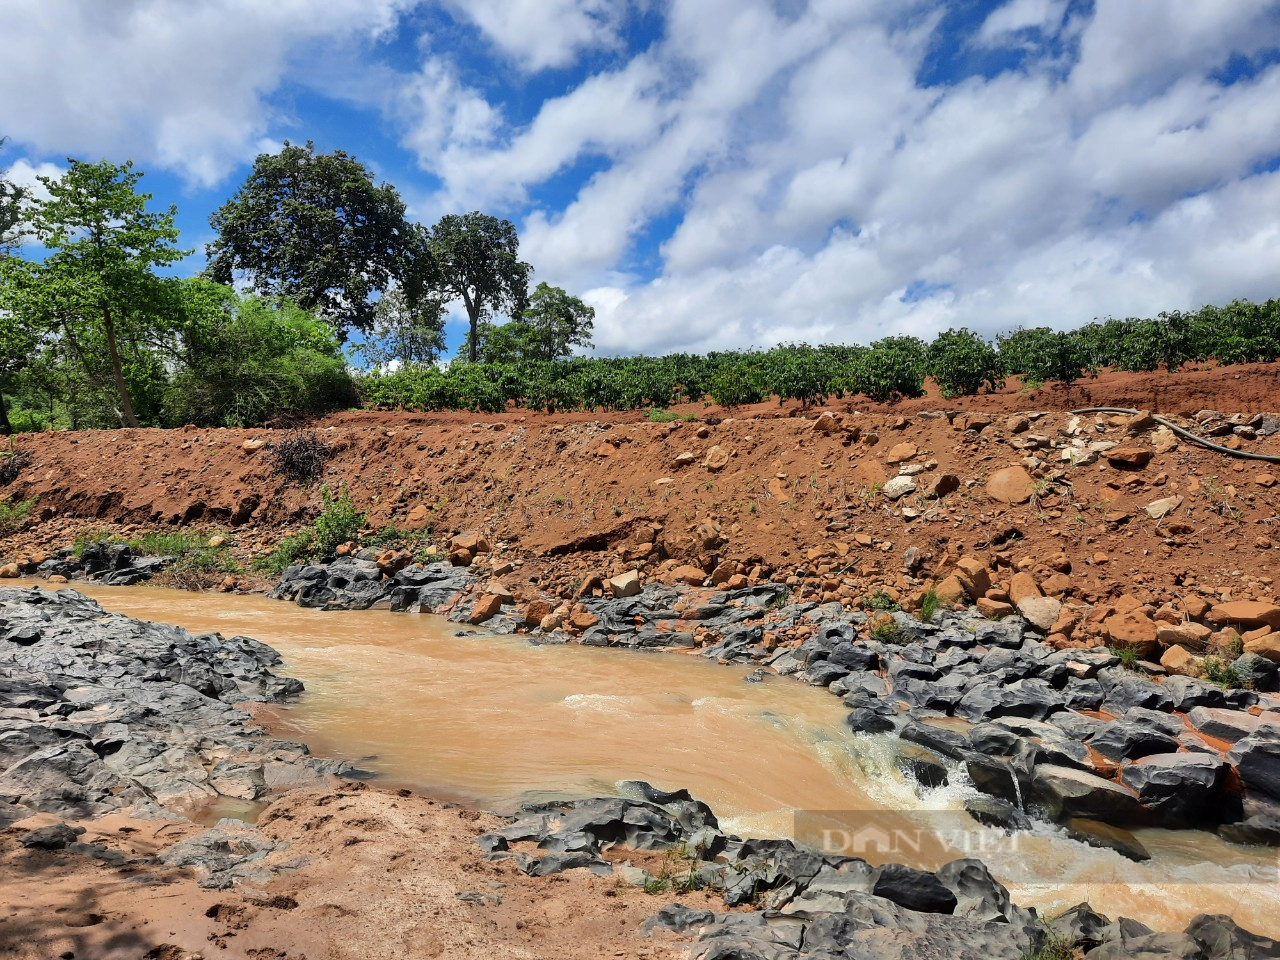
pixel 714 174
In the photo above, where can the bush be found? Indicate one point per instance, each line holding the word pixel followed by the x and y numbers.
pixel 890 370
pixel 249 360
pixel 962 363
pixel 1040 355
pixel 339 521
pixel 299 457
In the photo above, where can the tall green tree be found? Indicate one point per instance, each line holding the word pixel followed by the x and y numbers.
pixel 16 343
pixel 95 290
pixel 405 332
pixel 475 258
pixel 316 229
pixel 557 323
pixel 11 196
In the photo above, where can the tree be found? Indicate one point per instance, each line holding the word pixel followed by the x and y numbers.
pixel 11 197
pixel 244 360
pixel 962 363
pixel 405 332
pixel 95 290
pixel 315 229
pixel 475 258
pixel 557 322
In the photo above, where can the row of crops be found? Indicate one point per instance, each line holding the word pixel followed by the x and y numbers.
pixel 959 361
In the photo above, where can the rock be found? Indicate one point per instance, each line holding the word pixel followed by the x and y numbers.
pixel 252 445
pixel 951 591
pixel 943 484
pixel 1140 422
pixel 1163 440
pixel 1180 789
pixel 913 889
pixel 1193 636
pixel 1125 690
pixel 1223 939
pixel 1107 837
pixel 1259 830
pixel 900 453
pixel 487 606
pixel 1023 585
pixel 1066 793
pixel 826 423
pixel 1180 660
pixel 1266 645
pixel 1159 509
pixel 1132 629
pixel 994 609
pixel 1257 761
pixel 56 836
pixel 1224 724
pixel 417 519
pixel 1151 946
pixel 1246 613
pixel 1128 458
pixel 1126 740
pixel 9 571
pixel 693 576
pixel 1187 693
pixel 1012 485
pixel 624 585
pixel 472 542
pixel 717 459
pixel 898 487
pixel 1041 612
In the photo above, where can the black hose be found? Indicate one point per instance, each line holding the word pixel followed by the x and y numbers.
pixel 1186 434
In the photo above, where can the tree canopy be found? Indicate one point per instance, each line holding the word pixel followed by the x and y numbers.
pixel 316 229
pixel 475 258
pixel 95 290
pixel 11 196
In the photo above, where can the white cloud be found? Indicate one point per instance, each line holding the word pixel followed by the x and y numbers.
pixel 1020 15
pixel 162 81
pixel 538 34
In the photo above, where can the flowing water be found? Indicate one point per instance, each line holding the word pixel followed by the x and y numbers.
pixel 496 720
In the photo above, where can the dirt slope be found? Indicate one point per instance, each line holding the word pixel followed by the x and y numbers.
pixel 763 491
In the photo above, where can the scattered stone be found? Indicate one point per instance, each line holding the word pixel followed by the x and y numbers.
pixel 898 487
pixel 624 585
pixel 717 459
pixel 1128 458
pixel 1012 485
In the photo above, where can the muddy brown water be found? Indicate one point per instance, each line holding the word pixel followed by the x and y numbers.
pixel 496 720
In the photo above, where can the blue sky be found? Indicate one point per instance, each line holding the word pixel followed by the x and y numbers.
pixel 722 173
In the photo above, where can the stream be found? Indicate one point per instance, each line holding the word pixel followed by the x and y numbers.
pixel 494 721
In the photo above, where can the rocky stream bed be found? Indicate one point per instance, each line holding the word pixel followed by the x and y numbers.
pixel 100 712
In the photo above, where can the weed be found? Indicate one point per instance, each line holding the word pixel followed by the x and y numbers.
pixel 880 601
pixel 929 605
pixel 884 629
pixel 1219 671
pixel 14 513
pixel 1054 947
pixel 1128 655
pixel 779 600
pixel 657 415
pixel 679 871
pixel 298 457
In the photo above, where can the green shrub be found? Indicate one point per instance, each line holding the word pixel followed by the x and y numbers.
pixel 339 521
pixel 891 369
pixel 1219 671
pixel 880 600
pixel 962 363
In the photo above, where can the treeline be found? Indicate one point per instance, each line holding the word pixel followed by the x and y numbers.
pixel 959 361
pixel 95 332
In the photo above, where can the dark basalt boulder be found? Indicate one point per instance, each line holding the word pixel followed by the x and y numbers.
pixel 1128 740
pixel 1180 789
pixel 1064 793
pixel 1257 760
pixel 914 889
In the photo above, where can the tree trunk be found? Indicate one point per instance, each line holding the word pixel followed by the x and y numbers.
pixel 117 371
pixel 5 427
pixel 473 314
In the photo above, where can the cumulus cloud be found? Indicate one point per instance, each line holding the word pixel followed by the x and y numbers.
pixel 757 171
pixel 162 81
